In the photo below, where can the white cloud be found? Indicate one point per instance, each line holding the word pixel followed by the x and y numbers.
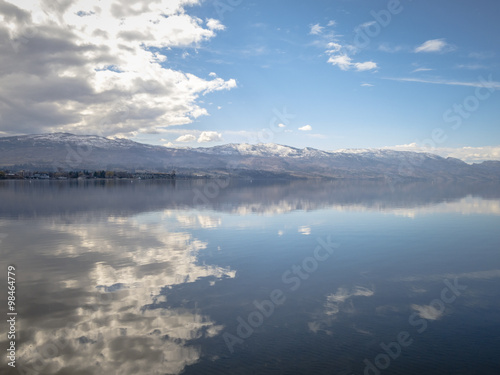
pixel 339 54
pixel 366 85
pixel 316 29
pixel 281 126
pixel 212 74
pixel 333 47
pixel 186 138
pixel 368 65
pixel 87 67
pixel 486 83
pixel 305 128
pixel 365 25
pixel 331 23
pixel 209 136
pixel 342 61
pixel 467 154
pixel 434 45
pixel 214 24
pixel 421 70
pixel 475 154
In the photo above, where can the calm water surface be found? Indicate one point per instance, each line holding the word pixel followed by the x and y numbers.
pixel 296 277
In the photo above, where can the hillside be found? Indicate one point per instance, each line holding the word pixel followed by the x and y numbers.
pixel 62 151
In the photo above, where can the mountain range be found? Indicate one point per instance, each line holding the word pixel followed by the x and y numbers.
pixel 63 151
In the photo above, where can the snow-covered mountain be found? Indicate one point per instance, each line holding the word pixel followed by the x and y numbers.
pixel 74 152
pixel 244 149
pixel 77 140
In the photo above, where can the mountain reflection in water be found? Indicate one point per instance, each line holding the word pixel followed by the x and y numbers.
pixel 144 277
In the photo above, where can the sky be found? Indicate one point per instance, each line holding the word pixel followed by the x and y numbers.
pixel 338 74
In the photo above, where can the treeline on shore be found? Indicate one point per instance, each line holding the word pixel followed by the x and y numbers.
pixel 82 175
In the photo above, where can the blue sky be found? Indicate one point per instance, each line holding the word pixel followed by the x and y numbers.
pixel 416 75
pixel 269 49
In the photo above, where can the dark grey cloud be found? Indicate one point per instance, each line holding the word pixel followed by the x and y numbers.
pixel 79 66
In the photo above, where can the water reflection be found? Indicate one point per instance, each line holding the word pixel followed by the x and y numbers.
pixel 94 290
pixel 339 302
pixel 141 278
pixel 242 197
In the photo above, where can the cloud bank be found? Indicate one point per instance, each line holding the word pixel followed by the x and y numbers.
pixel 92 67
pixel 467 154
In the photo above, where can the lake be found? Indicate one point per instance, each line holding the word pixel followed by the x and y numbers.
pixel 252 277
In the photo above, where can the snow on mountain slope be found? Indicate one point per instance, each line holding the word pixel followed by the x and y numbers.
pixel 281 151
pixel 82 140
pixel 382 153
pixel 268 149
pixel 68 151
pixel 263 150
pixel 242 149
